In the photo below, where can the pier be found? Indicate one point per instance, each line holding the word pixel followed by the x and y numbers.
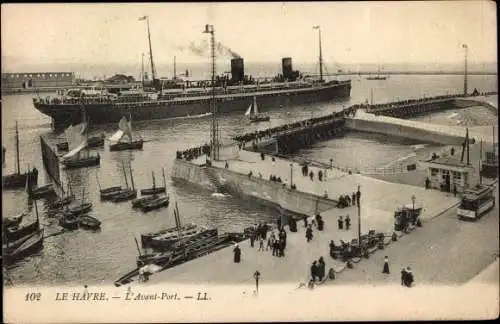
pixel 257 170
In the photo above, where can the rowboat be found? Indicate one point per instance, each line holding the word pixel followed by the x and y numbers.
pixel 135 145
pixel 90 222
pixel 125 195
pixel 13 221
pixel 155 190
pixel 68 221
pixel 112 193
pixel 138 202
pixel 80 208
pixel 147 237
pixel 41 192
pixel 167 242
pixel 11 246
pixel 94 141
pixel 110 189
pixel 14 233
pixel 33 244
pixel 155 204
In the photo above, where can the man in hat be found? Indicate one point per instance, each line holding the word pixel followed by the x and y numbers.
pixel 347 222
pixel 403 276
pixel 409 277
pixel 340 222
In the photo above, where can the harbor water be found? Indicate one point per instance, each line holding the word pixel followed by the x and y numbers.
pixel 85 257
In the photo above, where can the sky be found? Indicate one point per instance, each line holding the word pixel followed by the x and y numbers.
pixel 352 32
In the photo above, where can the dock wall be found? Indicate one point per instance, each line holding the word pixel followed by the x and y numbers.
pixel 275 195
pixel 388 128
pixel 50 161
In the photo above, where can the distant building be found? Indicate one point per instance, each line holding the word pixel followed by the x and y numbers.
pixel 12 81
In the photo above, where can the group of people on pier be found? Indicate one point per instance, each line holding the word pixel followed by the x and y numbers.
pixel 318 270
pixel 347 200
pixel 193 153
pixel 341 221
pixel 275 243
pixel 270 132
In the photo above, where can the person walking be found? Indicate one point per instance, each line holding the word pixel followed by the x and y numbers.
pixel 386 265
pixel 256 276
pixel 309 234
pixel 261 244
pixel 314 271
pixel 252 238
pixel 354 198
pixel 237 253
pixel 321 269
pixel 403 277
pixel 409 277
pixel 340 222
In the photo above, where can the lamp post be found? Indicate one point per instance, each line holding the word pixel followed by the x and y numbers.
pixel 358 200
pixel 466 48
pixel 291 175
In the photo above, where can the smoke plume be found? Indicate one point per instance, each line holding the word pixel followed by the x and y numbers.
pixel 203 49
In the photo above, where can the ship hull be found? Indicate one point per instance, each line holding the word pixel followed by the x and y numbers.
pixel 103 113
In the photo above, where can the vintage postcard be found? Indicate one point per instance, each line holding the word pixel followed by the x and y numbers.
pixel 281 161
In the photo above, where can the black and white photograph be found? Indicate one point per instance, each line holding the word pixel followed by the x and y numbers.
pixel 248 161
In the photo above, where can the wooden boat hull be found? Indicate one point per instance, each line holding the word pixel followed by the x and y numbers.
pixel 111 194
pixel 42 192
pixel 80 209
pixel 93 142
pixel 14 234
pixel 138 202
pixel 11 246
pixel 13 181
pixel 61 202
pixel 155 204
pixel 89 222
pixel 31 245
pixel 153 191
pixel 13 221
pixel 259 119
pixel 82 162
pixel 68 222
pixel 135 145
pixel 124 196
pixel 146 238
pixel 110 189
pixel 165 244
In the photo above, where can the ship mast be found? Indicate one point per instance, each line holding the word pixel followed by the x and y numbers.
pixel 153 70
pixel 142 70
pixel 320 55
pixel 209 29
pixel 17 150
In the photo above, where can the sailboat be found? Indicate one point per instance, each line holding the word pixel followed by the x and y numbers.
pixel 129 193
pixel 18 179
pixel 66 199
pixel 94 141
pixel 124 128
pixel 253 113
pixel 78 142
pixel 106 193
pixel 155 190
pixel 138 202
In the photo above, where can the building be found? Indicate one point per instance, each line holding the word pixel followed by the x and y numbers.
pixel 13 81
pixel 446 173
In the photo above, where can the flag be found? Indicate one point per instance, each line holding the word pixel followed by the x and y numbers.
pixel 143 18
pixel 316 27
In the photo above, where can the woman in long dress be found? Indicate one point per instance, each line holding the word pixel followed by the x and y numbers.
pixel 386 265
pixel 237 253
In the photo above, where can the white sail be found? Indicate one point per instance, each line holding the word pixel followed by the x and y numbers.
pixel 117 136
pixel 255 110
pixel 249 111
pixel 76 150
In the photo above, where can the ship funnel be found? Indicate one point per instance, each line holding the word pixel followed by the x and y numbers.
pixel 286 64
pixel 237 70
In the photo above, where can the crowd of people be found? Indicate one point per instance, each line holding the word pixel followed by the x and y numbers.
pixel 193 153
pixel 276 242
pixel 270 132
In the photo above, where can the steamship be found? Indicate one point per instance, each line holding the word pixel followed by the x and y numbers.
pixel 168 100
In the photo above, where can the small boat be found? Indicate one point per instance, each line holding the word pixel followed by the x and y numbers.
pixel 93 142
pixel 253 113
pixel 78 143
pixel 14 233
pixel 126 194
pixel 108 193
pixel 80 209
pixel 186 228
pixel 61 202
pixel 155 204
pixel 68 221
pixel 155 190
pixel 13 221
pixel 33 244
pixel 41 192
pixel 90 222
pixel 111 194
pixel 18 179
pixel 124 128
pixel 138 202
pixel 11 246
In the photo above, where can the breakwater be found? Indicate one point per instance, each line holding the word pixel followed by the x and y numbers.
pixel 285 200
